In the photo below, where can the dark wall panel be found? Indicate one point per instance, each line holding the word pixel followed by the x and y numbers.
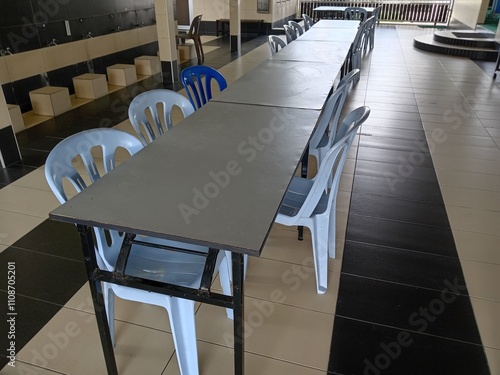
pixel 30 24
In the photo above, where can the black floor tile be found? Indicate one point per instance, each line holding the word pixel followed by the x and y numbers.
pixel 401 266
pixel 360 348
pixel 414 145
pixel 33 314
pixel 397 234
pixel 387 132
pixel 415 159
pixel 44 277
pixel 53 238
pixel 409 308
pixel 44 144
pixel 394 123
pixel 13 173
pixel 411 190
pixel 392 208
pixel 32 158
pixel 395 174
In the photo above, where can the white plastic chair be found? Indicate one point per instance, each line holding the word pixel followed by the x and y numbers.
pixel 353 60
pixel 185 269
pixel 275 43
pixel 355 13
pixel 147 103
pixel 369 37
pixel 290 33
pixel 296 27
pixel 325 134
pixel 309 203
pixel 308 21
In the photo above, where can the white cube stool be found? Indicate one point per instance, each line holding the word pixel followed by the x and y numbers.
pixel 147 65
pixel 90 86
pixel 121 74
pixel 50 100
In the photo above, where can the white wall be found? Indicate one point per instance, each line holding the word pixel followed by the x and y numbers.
pixel 213 10
pixel 467 12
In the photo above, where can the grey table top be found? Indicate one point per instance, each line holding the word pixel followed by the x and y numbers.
pixel 336 24
pixel 326 8
pixel 327 35
pixel 216 179
pixel 291 84
pixel 314 52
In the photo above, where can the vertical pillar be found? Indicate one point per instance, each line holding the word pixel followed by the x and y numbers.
pixel 9 150
pixel 235 25
pixel 167 29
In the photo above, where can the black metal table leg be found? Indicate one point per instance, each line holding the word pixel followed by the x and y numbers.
pixel 98 298
pixel 239 316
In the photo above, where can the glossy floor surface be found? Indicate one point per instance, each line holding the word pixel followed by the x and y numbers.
pixel 414 288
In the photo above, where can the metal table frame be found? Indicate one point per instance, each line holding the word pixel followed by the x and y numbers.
pixel 113 215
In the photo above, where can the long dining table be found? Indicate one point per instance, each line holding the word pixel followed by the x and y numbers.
pixel 254 134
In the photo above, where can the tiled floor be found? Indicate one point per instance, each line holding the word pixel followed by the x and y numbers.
pixel 420 226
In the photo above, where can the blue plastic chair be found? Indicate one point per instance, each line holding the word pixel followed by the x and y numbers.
pixel 145 107
pixel 275 43
pixel 197 81
pixel 325 134
pixel 290 33
pixel 310 203
pixel 144 261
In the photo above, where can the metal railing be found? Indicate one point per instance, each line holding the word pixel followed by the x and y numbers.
pixel 420 11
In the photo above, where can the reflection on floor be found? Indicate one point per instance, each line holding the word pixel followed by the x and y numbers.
pixel 419 198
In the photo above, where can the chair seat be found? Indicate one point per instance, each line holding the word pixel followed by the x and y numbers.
pixel 296 195
pixel 178 268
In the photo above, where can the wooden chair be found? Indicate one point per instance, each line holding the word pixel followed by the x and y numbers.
pixel 194 34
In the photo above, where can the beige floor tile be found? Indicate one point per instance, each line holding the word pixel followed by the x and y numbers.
pixel 469 180
pixel 465 164
pixel 70 344
pixel 343 201
pixel 14 225
pixel 467 139
pixel 295 283
pixel 482 279
pixel 462 151
pixel 455 119
pixel 3 247
pixel 493 132
pixel 305 341
pixel 487 313
pixel 452 128
pixel 493 356
pixel 27 201
pixel 25 368
pixel 468 219
pixel 282 245
pixel 346 181
pixel 477 246
pixel 34 180
pixel 218 360
pixel 472 198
